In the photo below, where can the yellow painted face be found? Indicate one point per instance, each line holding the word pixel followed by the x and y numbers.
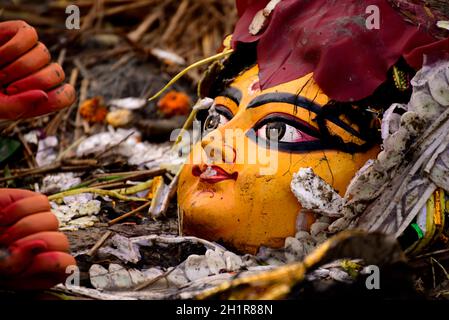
pixel 238 193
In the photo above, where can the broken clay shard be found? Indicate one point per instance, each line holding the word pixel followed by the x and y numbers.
pixel 119 118
pixel 318 227
pixel 423 104
pixel 258 24
pixel 391 119
pixel 439 87
pixel 413 123
pixel 366 183
pixel 443 24
pixel 260 20
pixel 196 267
pixel 315 194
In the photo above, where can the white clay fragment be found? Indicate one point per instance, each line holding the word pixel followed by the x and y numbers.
pixel 315 194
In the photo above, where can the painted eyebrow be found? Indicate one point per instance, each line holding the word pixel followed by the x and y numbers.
pixel 299 101
pixel 232 93
pixel 284 98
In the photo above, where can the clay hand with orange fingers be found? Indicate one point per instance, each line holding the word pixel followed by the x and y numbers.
pixel 33 254
pixel 30 85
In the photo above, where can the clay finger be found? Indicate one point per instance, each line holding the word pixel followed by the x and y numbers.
pixel 21 105
pixel 54 263
pixel 44 79
pixel 55 241
pixel 8 196
pixel 16 38
pixel 30 62
pixel 19 256
pixel 22 208
pixel 35 223
pixel 59 98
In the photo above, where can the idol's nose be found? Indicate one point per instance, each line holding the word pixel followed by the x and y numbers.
pixel 217 151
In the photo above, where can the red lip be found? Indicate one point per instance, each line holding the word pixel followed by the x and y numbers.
pixel 220 174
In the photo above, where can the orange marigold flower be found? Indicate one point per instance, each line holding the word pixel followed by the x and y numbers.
pixel 174 103
pixel 93 110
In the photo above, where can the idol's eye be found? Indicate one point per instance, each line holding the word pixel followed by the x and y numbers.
pixel 218 116
pixel 279 131
pixel 213 121
pixel 286 129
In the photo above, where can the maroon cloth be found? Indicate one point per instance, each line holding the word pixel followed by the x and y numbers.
pixel 330 39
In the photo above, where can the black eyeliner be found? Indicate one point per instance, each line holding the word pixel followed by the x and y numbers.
pixel 293 147
pixel 292 121
pixel 302 102
pixel 224 111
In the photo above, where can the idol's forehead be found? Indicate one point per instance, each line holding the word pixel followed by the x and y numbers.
pixel 245 90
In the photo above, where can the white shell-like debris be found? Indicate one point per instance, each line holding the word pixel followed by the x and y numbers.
pixel 391 119
pixel 381 195
pixel 196 267
pixel 366 184
pixel 260 20
pixel 47 151
pixel 318 227
pixel 78 214
pixel 119 278
pixel 32 137
pixel 123 248
pixel 443 24
pixel 168 56
pixel 99 276
pixel 129 103
pixel 439 89
pixel 340 275
pixel 142 154
pixel 233 261
pixel 158 200
pixel 215 262
pixel 297 250
pixel 100 142
pixel 212 263
pixel 177 278
pixel 333 271
pixel 59 182
pixel 315 194
pixel 423 104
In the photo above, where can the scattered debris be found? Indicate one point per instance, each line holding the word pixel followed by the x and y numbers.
pixel 59 182
pixel 315 194
pixel 129 103
pixel 93 110
pixel 119 118
pixel 168 57
pixel 260 20
pixel 77 213
pixel 443 24
pixel 174 103
pixel 99 243
pixel 47 151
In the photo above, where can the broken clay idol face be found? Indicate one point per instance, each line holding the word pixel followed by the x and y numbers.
pixel 235 187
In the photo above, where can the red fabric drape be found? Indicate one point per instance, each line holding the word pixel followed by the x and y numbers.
pixel 330 38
